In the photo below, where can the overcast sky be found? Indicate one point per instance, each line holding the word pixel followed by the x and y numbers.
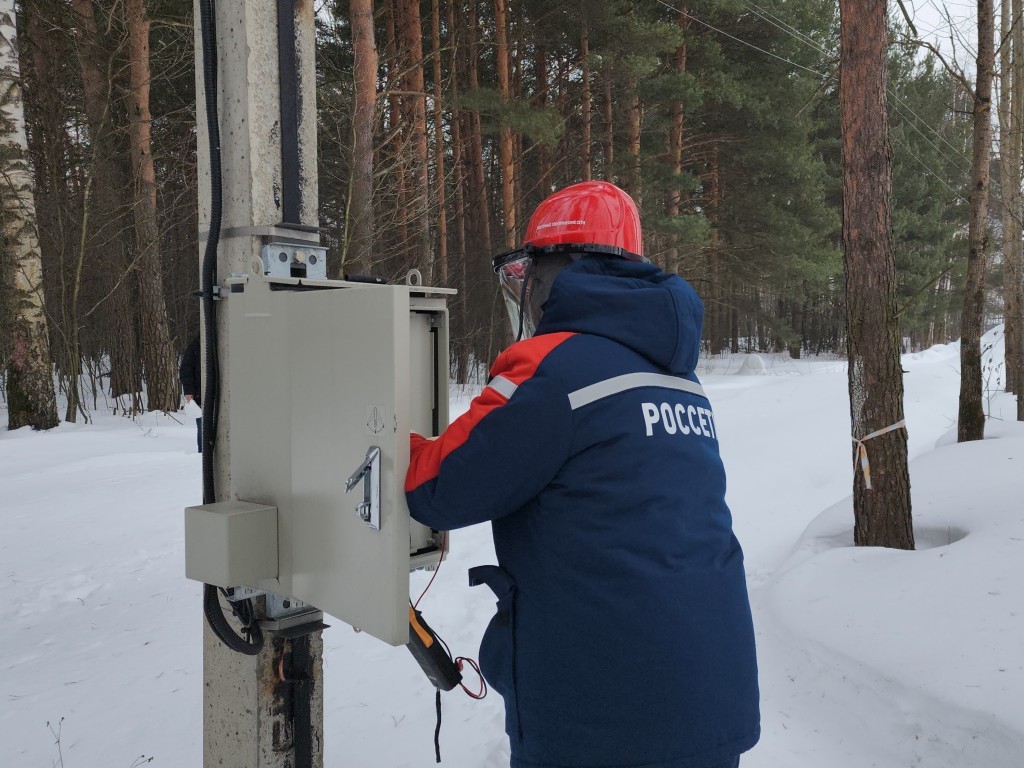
pixel 947 23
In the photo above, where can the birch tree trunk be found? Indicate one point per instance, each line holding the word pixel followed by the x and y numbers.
pixel 881 497
pixel 971 421
pixel 30 396
pixel 361 222
pixel 160 368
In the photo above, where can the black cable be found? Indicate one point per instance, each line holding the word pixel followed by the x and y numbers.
pixel 302 666
pixel 211 385
pixel 249 645
pixel 437 728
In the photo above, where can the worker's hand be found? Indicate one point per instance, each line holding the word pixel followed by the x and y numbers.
pixel 188 398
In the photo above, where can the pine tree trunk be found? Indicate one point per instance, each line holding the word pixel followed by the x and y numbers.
pixel 608 113
pixel 104 211
pixel 457 68
pixel 632 181
pixel 585 164
pixel 158 355
pixel 398 130
pixel 1009 176
pixel 440 194
pixel 478 179
pixel 359 254
pixel 479 278
pixel 971 421
pixel 415 113
pixel 505 138
pixel 30 395
pixel 1014 339
pixel 540 100
pixel 675 151
pixel 717 330
pixel 882 514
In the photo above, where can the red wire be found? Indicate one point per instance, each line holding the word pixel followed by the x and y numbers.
pixel 483 683
pixel 444 541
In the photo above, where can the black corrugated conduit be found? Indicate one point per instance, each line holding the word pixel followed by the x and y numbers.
pixel 211 385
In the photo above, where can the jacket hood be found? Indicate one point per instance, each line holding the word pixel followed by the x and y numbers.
pixel 652 312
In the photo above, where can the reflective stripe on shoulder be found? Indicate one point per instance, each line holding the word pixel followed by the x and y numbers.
pixel 503 386
pixel 614 386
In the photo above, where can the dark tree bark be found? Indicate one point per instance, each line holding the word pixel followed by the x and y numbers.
pixel 460 346
pixel 505 137
pixel 675 149
pixel 881 511
pixel 104 221
pixel 713 308
pixel 608 114
pixel 586 170
pixel 631 182
pixel 439 164
pixel 159 358
pixel 359 253
pixel 1014 254
pixel 398 131
pixel 477 179
pixel 971 421
pixel 415 116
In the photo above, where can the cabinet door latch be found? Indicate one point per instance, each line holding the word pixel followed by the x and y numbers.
pixel 369 474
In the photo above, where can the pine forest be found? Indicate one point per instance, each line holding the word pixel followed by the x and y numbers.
pixel 443 123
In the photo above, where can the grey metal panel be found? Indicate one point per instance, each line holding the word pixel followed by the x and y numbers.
pixel 254 386
pixel 315 378
pixel 349 352
pixel 230 543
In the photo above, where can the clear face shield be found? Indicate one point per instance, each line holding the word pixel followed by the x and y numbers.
pixel 526 277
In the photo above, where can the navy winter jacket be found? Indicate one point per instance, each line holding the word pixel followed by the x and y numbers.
pixel 623 634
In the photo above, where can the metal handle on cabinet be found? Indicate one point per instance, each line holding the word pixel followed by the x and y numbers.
pixel 369 474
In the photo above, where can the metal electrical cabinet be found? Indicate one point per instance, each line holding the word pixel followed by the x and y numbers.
pixel 326 380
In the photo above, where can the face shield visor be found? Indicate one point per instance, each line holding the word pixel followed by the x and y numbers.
pixel 526 276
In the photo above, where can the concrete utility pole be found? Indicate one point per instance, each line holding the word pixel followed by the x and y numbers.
pixel 266 710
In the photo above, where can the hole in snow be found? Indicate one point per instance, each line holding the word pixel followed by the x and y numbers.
pixel 930 538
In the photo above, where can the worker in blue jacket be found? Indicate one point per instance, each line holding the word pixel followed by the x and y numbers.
pixel 623 633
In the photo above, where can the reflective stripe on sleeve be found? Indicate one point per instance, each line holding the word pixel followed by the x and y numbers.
pixel 614 386
pixel 503 386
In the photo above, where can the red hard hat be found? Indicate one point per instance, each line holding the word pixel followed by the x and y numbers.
pixel 592 213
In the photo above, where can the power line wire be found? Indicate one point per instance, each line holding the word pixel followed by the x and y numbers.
pixel 738 40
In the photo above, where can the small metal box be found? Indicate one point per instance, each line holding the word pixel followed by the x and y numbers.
pixel 231 543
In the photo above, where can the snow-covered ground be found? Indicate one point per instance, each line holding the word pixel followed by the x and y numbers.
pixel 868 657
